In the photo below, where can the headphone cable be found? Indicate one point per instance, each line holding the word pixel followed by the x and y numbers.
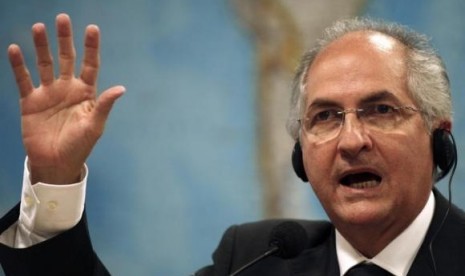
pixel 454 166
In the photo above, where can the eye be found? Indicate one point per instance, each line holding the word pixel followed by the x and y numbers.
pixel 325 115
pixel 322 118
pixel 376 110
pixel 382 108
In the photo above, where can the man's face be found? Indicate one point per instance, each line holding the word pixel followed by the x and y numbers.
pixel 366 176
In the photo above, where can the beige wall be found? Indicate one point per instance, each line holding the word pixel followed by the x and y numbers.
pixel 282 30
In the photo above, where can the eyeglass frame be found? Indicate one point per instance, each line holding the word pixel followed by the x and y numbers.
pixel 359 112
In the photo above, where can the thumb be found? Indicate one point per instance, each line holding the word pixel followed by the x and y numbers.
pixel 105 103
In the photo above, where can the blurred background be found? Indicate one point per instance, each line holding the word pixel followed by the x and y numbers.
pixel 198 142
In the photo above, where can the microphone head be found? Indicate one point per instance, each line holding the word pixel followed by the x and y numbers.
pixel 290 238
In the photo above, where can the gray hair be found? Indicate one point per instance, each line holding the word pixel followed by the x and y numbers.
pixel 427 80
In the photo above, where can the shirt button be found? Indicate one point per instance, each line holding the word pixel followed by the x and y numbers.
pixel 28 201
pixel 52 205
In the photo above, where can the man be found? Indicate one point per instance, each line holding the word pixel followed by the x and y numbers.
pixel 371 113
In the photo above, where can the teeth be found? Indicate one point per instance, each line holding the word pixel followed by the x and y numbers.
pixel 365 184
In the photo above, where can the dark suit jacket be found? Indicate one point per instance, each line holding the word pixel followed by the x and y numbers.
pixel 69 253
pixel 241 244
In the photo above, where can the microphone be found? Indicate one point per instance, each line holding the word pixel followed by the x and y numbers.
pixel 287 240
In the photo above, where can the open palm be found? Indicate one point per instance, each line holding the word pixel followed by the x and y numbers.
pixel 62 118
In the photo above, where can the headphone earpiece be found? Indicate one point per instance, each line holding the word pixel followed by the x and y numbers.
pixel 444 152
pixel 298 162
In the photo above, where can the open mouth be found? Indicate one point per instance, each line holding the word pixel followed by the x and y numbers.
pixel 361 180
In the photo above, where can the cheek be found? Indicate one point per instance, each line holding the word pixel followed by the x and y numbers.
pixel 409 157
pixel 318 162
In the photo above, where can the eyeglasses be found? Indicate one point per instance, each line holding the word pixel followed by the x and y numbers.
pixel 323 123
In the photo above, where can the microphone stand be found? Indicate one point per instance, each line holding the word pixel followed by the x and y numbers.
pixel 271 251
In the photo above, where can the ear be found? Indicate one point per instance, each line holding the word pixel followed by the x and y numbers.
pixel 446 125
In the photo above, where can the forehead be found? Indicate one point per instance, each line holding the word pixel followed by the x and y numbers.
pixel 356 65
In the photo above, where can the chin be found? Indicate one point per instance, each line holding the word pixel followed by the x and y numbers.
pixel 362 214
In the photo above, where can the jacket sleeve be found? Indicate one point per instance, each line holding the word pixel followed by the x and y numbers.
pixel 69 253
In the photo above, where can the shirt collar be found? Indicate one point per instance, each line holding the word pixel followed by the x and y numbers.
pixel 398 255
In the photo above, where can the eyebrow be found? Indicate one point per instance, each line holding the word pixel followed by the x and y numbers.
pixel 382 95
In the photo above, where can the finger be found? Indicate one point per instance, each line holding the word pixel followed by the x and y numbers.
pixel 44 57
pixel 105 103
pixel 23 78
pixel 66 51
pixel 91 61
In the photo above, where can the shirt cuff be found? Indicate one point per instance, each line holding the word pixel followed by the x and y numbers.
pixel 47 210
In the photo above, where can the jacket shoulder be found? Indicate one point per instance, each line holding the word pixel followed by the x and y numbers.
pixel 260 231
pixel 242 243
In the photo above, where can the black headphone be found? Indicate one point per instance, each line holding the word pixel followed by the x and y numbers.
pixel 444 152
pixel 444 155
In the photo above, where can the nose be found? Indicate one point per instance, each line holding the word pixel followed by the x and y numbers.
pixel 353 137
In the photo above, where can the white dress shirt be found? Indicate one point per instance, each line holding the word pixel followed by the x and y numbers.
pixel 46 210
pixel 397 257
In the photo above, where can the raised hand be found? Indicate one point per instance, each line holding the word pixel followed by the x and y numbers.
pixel 62 118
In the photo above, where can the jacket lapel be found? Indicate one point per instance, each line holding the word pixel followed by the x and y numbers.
pixel 444 235
pixel 319 260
